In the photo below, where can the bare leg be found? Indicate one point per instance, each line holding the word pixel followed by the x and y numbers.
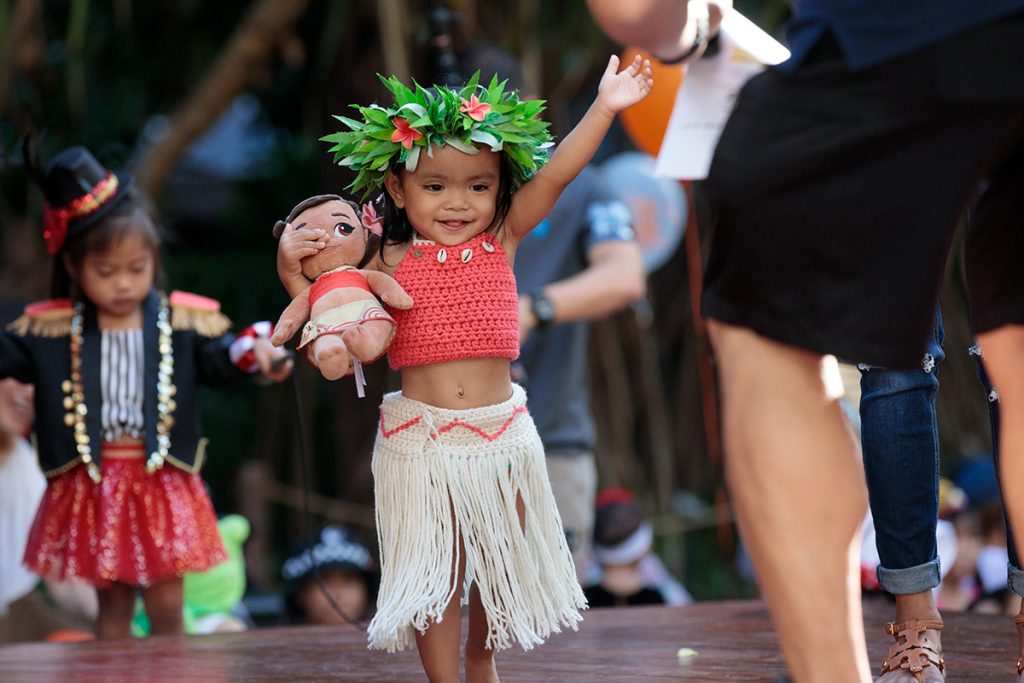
pixel 480 667
pixel 1003 354
pixel 117 606
pixel 438 646
pixel 798 490
pixel 164 603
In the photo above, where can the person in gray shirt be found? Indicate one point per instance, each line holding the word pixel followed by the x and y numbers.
pixel 582 264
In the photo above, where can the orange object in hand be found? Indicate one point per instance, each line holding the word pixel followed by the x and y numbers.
pixel 646 121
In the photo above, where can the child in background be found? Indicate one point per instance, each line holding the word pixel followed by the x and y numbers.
pixel 116 365
pixel 977 476
pixel 462 496
pixel 623 540
pixel 346 569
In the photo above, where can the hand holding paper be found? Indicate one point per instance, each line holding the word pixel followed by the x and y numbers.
pixel 707 94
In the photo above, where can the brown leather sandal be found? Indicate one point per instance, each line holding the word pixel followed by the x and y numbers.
pixel 1019 621
pixel 913 650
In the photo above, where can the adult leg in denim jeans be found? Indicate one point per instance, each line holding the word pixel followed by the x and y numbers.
pixel 899 437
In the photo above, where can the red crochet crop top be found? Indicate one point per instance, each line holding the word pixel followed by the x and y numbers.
pixel 466 304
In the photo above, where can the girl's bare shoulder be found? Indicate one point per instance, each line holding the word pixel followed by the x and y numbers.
pixel 508 242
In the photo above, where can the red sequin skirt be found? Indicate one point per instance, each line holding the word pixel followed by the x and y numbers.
pixel 133 527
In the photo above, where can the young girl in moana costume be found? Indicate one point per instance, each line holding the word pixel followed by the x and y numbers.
pixel 464 508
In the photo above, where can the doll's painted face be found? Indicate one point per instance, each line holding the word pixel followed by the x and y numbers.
pixel 346 238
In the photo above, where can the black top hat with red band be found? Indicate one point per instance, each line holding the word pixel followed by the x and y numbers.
pixel 78 193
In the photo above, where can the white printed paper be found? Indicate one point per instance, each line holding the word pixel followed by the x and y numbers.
pixel 706 97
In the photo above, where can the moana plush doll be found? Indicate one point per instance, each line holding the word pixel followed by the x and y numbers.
pixel 346 323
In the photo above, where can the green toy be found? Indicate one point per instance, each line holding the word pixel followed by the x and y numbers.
pixel 211 596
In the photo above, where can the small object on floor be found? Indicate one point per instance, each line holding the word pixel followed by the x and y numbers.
pixel 686 653
pixel 69 635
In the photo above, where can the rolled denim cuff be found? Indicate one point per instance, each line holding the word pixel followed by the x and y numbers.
pixel 1015 577
pixel 911 580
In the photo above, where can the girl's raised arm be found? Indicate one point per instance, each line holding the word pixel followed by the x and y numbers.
pixel 616 91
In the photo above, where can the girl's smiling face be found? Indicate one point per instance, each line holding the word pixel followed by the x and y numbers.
pixel 451 196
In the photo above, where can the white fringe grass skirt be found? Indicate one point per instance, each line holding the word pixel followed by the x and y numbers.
pixel 442 474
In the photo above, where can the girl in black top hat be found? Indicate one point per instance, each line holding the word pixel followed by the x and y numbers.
pixel 116 363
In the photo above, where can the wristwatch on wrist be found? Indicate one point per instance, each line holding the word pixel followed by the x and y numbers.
pixel 542 309
pixel 699 8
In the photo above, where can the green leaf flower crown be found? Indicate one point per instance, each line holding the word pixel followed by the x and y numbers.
pixel 422 118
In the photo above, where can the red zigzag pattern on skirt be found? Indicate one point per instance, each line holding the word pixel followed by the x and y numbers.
pixel 388 433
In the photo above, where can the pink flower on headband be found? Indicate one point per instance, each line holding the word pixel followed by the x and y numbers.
pixel 371 221
pixel 474 108
pixel 404 133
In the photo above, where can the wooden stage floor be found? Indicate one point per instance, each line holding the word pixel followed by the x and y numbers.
pixel 733 640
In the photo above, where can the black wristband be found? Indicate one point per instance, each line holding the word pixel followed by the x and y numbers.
pixel 542 309
pixel 703 28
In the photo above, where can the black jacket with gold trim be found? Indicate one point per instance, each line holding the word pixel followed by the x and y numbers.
pixel 36 349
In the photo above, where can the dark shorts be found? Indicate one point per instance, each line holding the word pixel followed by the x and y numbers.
pixel 835 197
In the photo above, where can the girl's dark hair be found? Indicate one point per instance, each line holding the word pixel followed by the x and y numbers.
pixel 398 229
pixel 133 216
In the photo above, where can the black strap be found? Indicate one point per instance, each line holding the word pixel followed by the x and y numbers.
pixel 306 515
